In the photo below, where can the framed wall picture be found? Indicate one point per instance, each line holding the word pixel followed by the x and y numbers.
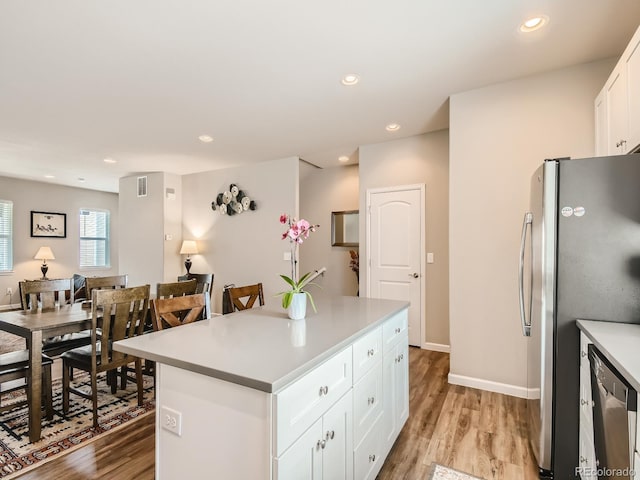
pixel 48 224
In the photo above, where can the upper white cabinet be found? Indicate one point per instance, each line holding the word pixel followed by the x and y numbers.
pixel 617 106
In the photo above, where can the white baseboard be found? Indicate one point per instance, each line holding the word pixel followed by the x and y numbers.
pixel 11 306
pixel 436 347
pixel 488 385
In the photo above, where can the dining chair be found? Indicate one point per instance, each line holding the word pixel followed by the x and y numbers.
pixel 205 281
pixel 47 294
pixel 121 313
pixel 245 297
pixel 101 283
pixel 176 311
pixel 15 366
pixel 176 289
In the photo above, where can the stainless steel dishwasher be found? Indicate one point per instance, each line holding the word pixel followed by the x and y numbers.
pixel 614 419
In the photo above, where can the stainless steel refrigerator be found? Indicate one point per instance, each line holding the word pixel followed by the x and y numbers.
pixel 579 258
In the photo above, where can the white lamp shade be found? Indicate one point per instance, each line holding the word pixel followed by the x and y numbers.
pixel 44 253
pixel 188 247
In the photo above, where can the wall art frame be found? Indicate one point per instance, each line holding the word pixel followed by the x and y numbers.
pixel 48 224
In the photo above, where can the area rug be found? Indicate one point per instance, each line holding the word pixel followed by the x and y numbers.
pixel 62 435
pixel 440 472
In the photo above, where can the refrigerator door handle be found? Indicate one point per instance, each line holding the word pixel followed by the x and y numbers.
pixel 526 326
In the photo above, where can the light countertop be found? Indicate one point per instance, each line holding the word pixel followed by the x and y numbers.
pixel 620 343
pixel 261 348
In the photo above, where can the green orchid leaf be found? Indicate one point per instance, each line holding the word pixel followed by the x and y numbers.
pixel 311 300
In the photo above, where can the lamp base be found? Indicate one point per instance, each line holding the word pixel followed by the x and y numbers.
pixel 187 264
pixel 44 269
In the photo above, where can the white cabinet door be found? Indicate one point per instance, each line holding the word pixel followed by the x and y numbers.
pixel 303 459
pixel 324 451
pixel 602 139
pixel 337 458
pixel 617 114
pixel 395 385
pixel 632 61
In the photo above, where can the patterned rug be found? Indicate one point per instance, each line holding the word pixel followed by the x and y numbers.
pixel 440 472
pixel 62 435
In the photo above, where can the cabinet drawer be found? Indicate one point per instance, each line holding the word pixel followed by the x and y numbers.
pixel 300 404
pixel 366 352
pixel 367 457
pixel 367 402
pixel 394 328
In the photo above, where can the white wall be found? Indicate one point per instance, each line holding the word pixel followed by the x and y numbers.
pixel 40 196
pixel 499 136
pixel 322 192
pixel 247 248
pixel 412 160
pixel 142 228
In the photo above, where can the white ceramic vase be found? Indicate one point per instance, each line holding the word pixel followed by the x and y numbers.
pixel 298 307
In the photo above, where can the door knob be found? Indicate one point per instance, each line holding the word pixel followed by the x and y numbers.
pixel 414 275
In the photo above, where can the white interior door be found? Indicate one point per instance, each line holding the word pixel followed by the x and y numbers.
pixel 395 239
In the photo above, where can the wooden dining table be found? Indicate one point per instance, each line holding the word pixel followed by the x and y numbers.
pixel 34 326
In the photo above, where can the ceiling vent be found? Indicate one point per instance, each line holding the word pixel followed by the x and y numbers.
pixel 142 186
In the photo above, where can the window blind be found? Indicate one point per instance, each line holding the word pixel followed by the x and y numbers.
pixel 6 236
pixel 94 238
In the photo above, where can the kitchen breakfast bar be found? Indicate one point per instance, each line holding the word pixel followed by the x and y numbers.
pixel 253 395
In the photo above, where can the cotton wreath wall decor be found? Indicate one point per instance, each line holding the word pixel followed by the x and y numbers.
pixel 233 201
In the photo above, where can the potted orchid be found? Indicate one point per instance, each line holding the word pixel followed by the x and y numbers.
pixel 295 300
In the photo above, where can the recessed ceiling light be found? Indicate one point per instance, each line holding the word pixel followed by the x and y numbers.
pixel 343 158
pixel 109 160
pixel 49 176
pixel 534 23
pixel 392 127
pixel 205 138
pixel 81 180
pixel 350 79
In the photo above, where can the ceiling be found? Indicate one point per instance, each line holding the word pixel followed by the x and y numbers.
pixel 139 80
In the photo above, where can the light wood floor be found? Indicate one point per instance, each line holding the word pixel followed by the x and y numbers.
pixel 478 432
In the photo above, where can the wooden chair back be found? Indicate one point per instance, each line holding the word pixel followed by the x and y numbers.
pixel 120 313
pixel 46 293
pixel 250 293
pixel 176 311
pixel 205 281
pixel 101 283
pixel 176 289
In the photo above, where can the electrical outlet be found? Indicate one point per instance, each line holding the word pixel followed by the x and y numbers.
pixel 9 291
pixel 171 420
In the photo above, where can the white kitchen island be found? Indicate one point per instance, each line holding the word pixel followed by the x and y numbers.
pixel 253 395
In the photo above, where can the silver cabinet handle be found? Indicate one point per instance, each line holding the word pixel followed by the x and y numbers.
pixel 372 458
pixel 330 434
pixel 583 459
pixel 584 402
pixel 371 353
pixel 583 353
pixel 414 275
pixel 397 330
pixel 371 400
pixel 321 444
pixel 324 390
pixel 526 327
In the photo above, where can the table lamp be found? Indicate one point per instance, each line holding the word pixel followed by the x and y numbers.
pixel 189 247
pixel 44 254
